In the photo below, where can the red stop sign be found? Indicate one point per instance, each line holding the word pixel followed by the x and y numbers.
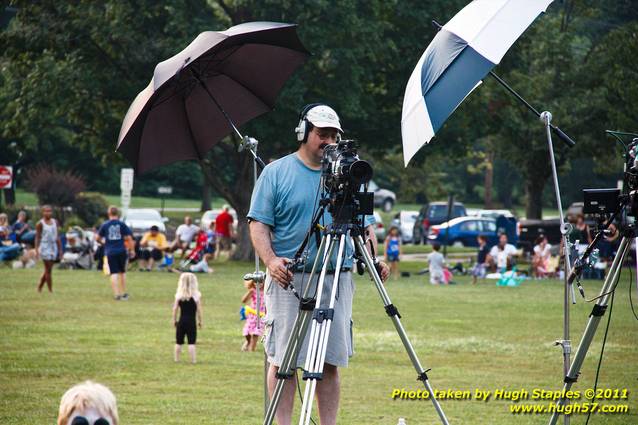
pixel 6 176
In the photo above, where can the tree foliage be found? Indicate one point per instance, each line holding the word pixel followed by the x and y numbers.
pixel 69 71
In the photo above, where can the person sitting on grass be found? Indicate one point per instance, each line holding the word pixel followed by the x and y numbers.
pixel 501 256
pixel 542 255
pixel 22 229
pixel 184 235
pixel 88 403
pixel 478 271
pixel 437 263
pixel 393 250
pixel 188 300
pixel 9 249
pixel 152 247
pixel 211 240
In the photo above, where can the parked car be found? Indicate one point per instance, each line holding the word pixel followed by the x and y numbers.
pixel 383 198
pixel 140 220
pixel 463 231
pixel 211 215
pixel 404 220
pixel 379 228
pixel 432 214
pixel 494 213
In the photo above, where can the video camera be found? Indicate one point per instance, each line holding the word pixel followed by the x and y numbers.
pixel 611 201
pixel 344 179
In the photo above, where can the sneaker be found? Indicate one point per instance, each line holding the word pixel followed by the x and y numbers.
pixel 117 298
pixel 125 297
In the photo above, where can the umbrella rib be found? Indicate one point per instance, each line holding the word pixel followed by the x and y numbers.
pixel 205 61
pixel 190 132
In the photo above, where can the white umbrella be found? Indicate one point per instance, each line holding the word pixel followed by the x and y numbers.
pixel 472 43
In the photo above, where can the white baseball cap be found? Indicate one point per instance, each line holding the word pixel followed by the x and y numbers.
pixel 324 116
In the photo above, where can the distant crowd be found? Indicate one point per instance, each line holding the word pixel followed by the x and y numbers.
pixel 503 259
pixel 22 244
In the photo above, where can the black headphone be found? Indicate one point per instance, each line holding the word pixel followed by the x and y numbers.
pixel 304 126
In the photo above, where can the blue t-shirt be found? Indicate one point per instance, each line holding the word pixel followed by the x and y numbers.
pixel 285 197
pixel 113 232
pixel 393 246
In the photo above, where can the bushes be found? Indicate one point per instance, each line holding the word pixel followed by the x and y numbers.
pixel 53 187
pixel 56 188
pixel 90 207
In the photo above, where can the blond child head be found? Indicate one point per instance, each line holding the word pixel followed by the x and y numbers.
pixel 187 287
pixel 88 403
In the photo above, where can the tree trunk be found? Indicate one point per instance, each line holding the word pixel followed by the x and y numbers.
pixel 489 179
pixel 243 245
pixel 506 179
pixel 237 190
pixel 534 193
pixel 206 197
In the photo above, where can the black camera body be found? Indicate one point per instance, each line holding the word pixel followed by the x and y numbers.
pixel 344 175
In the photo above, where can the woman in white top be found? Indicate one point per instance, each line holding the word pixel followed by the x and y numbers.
pixel 542 254
pixel 47 245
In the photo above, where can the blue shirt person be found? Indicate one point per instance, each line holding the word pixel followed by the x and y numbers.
pixel 114 232
pixel 113 235
pixel 282 206
pixel 285 198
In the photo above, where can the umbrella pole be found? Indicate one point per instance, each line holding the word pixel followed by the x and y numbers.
pixel 557 131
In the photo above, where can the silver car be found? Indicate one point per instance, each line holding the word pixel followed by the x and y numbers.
pixel 379 228
pixel 405 220
pixel 383 198
pixel 140 220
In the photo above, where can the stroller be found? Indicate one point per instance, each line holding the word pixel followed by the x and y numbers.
pixel 78 252
pixel 197 254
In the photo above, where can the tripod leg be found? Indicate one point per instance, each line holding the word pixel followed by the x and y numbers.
pixel 594 319
pixel 319 335
pixel 392 311
pixel 297 335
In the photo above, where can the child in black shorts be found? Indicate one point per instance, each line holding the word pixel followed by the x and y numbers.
pixel 188 300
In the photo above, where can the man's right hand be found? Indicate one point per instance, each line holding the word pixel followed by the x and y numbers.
pixel 278 269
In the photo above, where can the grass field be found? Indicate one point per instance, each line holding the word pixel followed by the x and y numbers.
pixel 471 336
pixel 30 199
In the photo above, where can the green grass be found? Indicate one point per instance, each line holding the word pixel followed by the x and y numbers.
pixel 471 336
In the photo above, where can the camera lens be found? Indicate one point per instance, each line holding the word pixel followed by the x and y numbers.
pixel 360 172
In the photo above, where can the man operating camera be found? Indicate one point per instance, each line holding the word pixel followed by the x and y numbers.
pixel 283 202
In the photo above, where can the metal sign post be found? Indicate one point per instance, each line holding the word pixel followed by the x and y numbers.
pixel 164 190
pixel 126 186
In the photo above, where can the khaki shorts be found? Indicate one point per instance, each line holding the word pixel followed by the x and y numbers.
pixel 282 307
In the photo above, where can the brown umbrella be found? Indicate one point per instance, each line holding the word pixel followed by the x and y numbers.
pixel 195 98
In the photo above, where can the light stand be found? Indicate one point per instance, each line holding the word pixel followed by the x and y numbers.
pixel 257 276
pixel 565 343
pixel 594 318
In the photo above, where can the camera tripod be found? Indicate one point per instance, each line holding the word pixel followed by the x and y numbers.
pixel 596 314
pixel 318 315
